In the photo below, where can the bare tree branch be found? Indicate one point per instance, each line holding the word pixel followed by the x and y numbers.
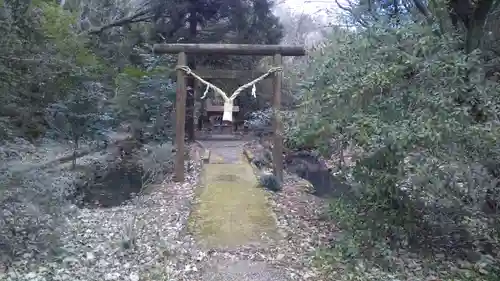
pixel 349 10
pixel 138 17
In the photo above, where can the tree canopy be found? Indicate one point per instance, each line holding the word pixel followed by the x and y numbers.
pixel 53 47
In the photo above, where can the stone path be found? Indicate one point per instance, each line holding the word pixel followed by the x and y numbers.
pixel 232 213
pixel 225 151
pixel 243 270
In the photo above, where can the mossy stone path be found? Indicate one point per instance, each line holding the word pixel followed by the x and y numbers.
pixel 231 210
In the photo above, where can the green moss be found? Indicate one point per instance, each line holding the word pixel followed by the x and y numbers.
pixel 231 211
pixel 134 72
pixel 86 57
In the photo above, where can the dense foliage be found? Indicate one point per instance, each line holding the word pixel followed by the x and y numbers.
pixel 408 89
pixel 413 96
pixel 76 71
pixel 41 61
pixel 53 50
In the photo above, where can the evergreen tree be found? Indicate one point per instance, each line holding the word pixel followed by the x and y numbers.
pixel 217 21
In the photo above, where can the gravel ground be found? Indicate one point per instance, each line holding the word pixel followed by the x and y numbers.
pixel 129 242
pixel 145 239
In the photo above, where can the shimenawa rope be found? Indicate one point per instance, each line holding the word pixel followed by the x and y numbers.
pixel 228 101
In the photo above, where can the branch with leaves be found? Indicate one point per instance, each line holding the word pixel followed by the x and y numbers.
pixel 229 100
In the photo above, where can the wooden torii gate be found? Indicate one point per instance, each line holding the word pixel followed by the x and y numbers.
pixel 277 51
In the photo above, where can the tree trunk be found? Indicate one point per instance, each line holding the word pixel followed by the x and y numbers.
pixel 75 153
pixel 475 30
pixel 473 17
pixel 190 99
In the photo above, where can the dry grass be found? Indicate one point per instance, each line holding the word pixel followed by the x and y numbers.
pixel 231 210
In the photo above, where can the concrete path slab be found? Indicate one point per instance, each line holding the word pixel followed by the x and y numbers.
pixel 243 270
pixel 231 209
pixel 232 212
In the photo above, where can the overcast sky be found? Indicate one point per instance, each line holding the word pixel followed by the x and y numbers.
pixel 309 6
pixel 318 7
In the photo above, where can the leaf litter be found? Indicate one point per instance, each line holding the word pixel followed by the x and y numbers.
pixel 147 239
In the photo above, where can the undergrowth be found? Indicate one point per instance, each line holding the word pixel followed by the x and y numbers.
pixel 366 249
pixel 417 114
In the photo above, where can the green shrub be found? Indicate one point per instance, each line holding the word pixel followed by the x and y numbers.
pixel 269 182
pixel 421 115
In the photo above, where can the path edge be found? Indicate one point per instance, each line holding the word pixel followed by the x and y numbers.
pixel 198 186
pixel 271 202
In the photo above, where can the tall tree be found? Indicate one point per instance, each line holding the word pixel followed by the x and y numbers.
pixel 217 21
pixel 465 16
pixel 208 21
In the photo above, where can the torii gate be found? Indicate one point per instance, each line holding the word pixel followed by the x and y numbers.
pixel 277 51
